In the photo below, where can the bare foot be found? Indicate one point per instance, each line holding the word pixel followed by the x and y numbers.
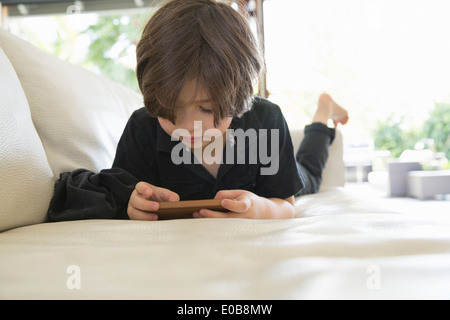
pixel 327 108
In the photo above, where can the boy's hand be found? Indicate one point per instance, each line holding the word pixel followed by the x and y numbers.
pixel 240 203
pixel 144 200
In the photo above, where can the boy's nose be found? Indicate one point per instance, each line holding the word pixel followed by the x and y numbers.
pixel 193 126
pixel 187 122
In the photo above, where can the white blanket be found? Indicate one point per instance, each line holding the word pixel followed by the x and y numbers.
pixel 337 248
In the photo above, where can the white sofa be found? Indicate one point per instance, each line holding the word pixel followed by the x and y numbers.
pixel 56 117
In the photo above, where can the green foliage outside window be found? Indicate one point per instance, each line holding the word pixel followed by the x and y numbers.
pixel 389 134
pixel 111 37
pixel 437 127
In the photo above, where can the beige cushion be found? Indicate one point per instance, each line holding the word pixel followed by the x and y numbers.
pixel 334 173
pixel 78 115
pixel 327 255
pixel 26 181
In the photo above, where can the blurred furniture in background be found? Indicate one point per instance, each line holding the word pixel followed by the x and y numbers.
pixel 428 184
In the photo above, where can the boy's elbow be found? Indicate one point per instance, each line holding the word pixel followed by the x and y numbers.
pixel 290 207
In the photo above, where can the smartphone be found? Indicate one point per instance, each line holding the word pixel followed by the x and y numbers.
pixel 185 209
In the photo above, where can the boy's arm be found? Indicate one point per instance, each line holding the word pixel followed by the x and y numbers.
pixel 245 204
pixel 276 208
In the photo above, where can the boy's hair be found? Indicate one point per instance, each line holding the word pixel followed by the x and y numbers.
pixel 203 41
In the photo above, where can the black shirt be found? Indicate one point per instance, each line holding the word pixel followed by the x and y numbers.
pixel 144 150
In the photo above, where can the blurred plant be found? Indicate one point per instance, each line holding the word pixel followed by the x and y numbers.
pixel 113 41
pixel 390 134
pixel 106 46
pixel 434 133
pixel 437 127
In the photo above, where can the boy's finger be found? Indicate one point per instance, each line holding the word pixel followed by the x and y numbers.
pixel 142 203
pixel 228 194
pixel 171 196
pixel 238 205
pixel 163 194
pixel 206 213
pixel 136 214
pixel 148 191
pixel 144 189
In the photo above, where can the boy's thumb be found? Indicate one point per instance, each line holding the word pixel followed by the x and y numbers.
pixel 172 196
pixel 144 189
pixel 228 194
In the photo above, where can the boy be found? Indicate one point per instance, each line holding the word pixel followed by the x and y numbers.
pixel 197 63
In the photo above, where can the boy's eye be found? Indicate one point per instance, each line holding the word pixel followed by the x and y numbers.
pixel 208 111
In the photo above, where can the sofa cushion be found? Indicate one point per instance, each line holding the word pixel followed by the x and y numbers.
pixel 26 183
pixel 78 115
pixel 334 173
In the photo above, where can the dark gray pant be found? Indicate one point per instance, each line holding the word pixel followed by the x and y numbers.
pixel 312 156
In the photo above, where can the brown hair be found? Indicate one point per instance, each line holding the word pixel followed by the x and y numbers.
pixel 201 40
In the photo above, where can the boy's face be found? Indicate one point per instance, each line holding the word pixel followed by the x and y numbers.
pixel 194 107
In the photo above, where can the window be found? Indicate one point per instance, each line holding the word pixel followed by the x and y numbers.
pixel 387 62
pixel 103 42
pixel 380 59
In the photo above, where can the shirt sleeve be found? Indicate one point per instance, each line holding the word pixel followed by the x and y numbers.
pixel 136 149
pixel 84 194
pixel 279 177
